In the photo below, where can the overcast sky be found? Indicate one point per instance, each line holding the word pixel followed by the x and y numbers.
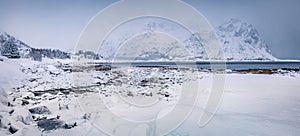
pixel 58 23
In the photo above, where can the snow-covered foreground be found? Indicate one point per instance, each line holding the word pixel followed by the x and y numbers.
pixel 44 98
pixel 254 105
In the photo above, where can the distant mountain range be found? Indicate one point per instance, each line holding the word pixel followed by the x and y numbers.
pixel 240 40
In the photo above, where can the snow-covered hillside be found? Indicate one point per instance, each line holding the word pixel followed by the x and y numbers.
pixel 241 41
pixel 12 47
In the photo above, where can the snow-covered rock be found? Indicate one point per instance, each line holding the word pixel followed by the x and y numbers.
pixel 40 110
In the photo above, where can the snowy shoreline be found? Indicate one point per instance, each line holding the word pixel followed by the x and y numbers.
pixel 43 98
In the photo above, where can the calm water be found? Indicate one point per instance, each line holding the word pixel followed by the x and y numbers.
pixel 207 65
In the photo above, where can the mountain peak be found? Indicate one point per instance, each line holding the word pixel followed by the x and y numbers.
pixel 241 41
pixel 234 25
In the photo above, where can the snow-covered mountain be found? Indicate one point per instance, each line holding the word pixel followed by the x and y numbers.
pixel 11 47
pixel 241 41
pixel 152 47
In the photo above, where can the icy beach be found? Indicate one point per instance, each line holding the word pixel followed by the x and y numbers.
pixel 48 98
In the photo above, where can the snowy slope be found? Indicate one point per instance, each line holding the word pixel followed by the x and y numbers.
pixel 154 47
pixel 12 47
pixel 241 41
pixel 142 29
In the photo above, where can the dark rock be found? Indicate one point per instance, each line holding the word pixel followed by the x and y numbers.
pixel 0 121
pixel 149 94
pixel 50 124
pixel 40 110
pixel 63 107
pixel 70 126
pixel 56 73
pixel 52 91
pixel 129 93
pixel 144 83
pixel 52 98
pixel 27 98
pixel 12 129
pixel 24 102
pixel 11 112
pixel 167 95
pixel 9 104
pixel 32 80
pixel 53 124
pixel 86 116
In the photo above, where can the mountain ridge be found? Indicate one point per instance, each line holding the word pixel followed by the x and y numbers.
pixel 240 41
